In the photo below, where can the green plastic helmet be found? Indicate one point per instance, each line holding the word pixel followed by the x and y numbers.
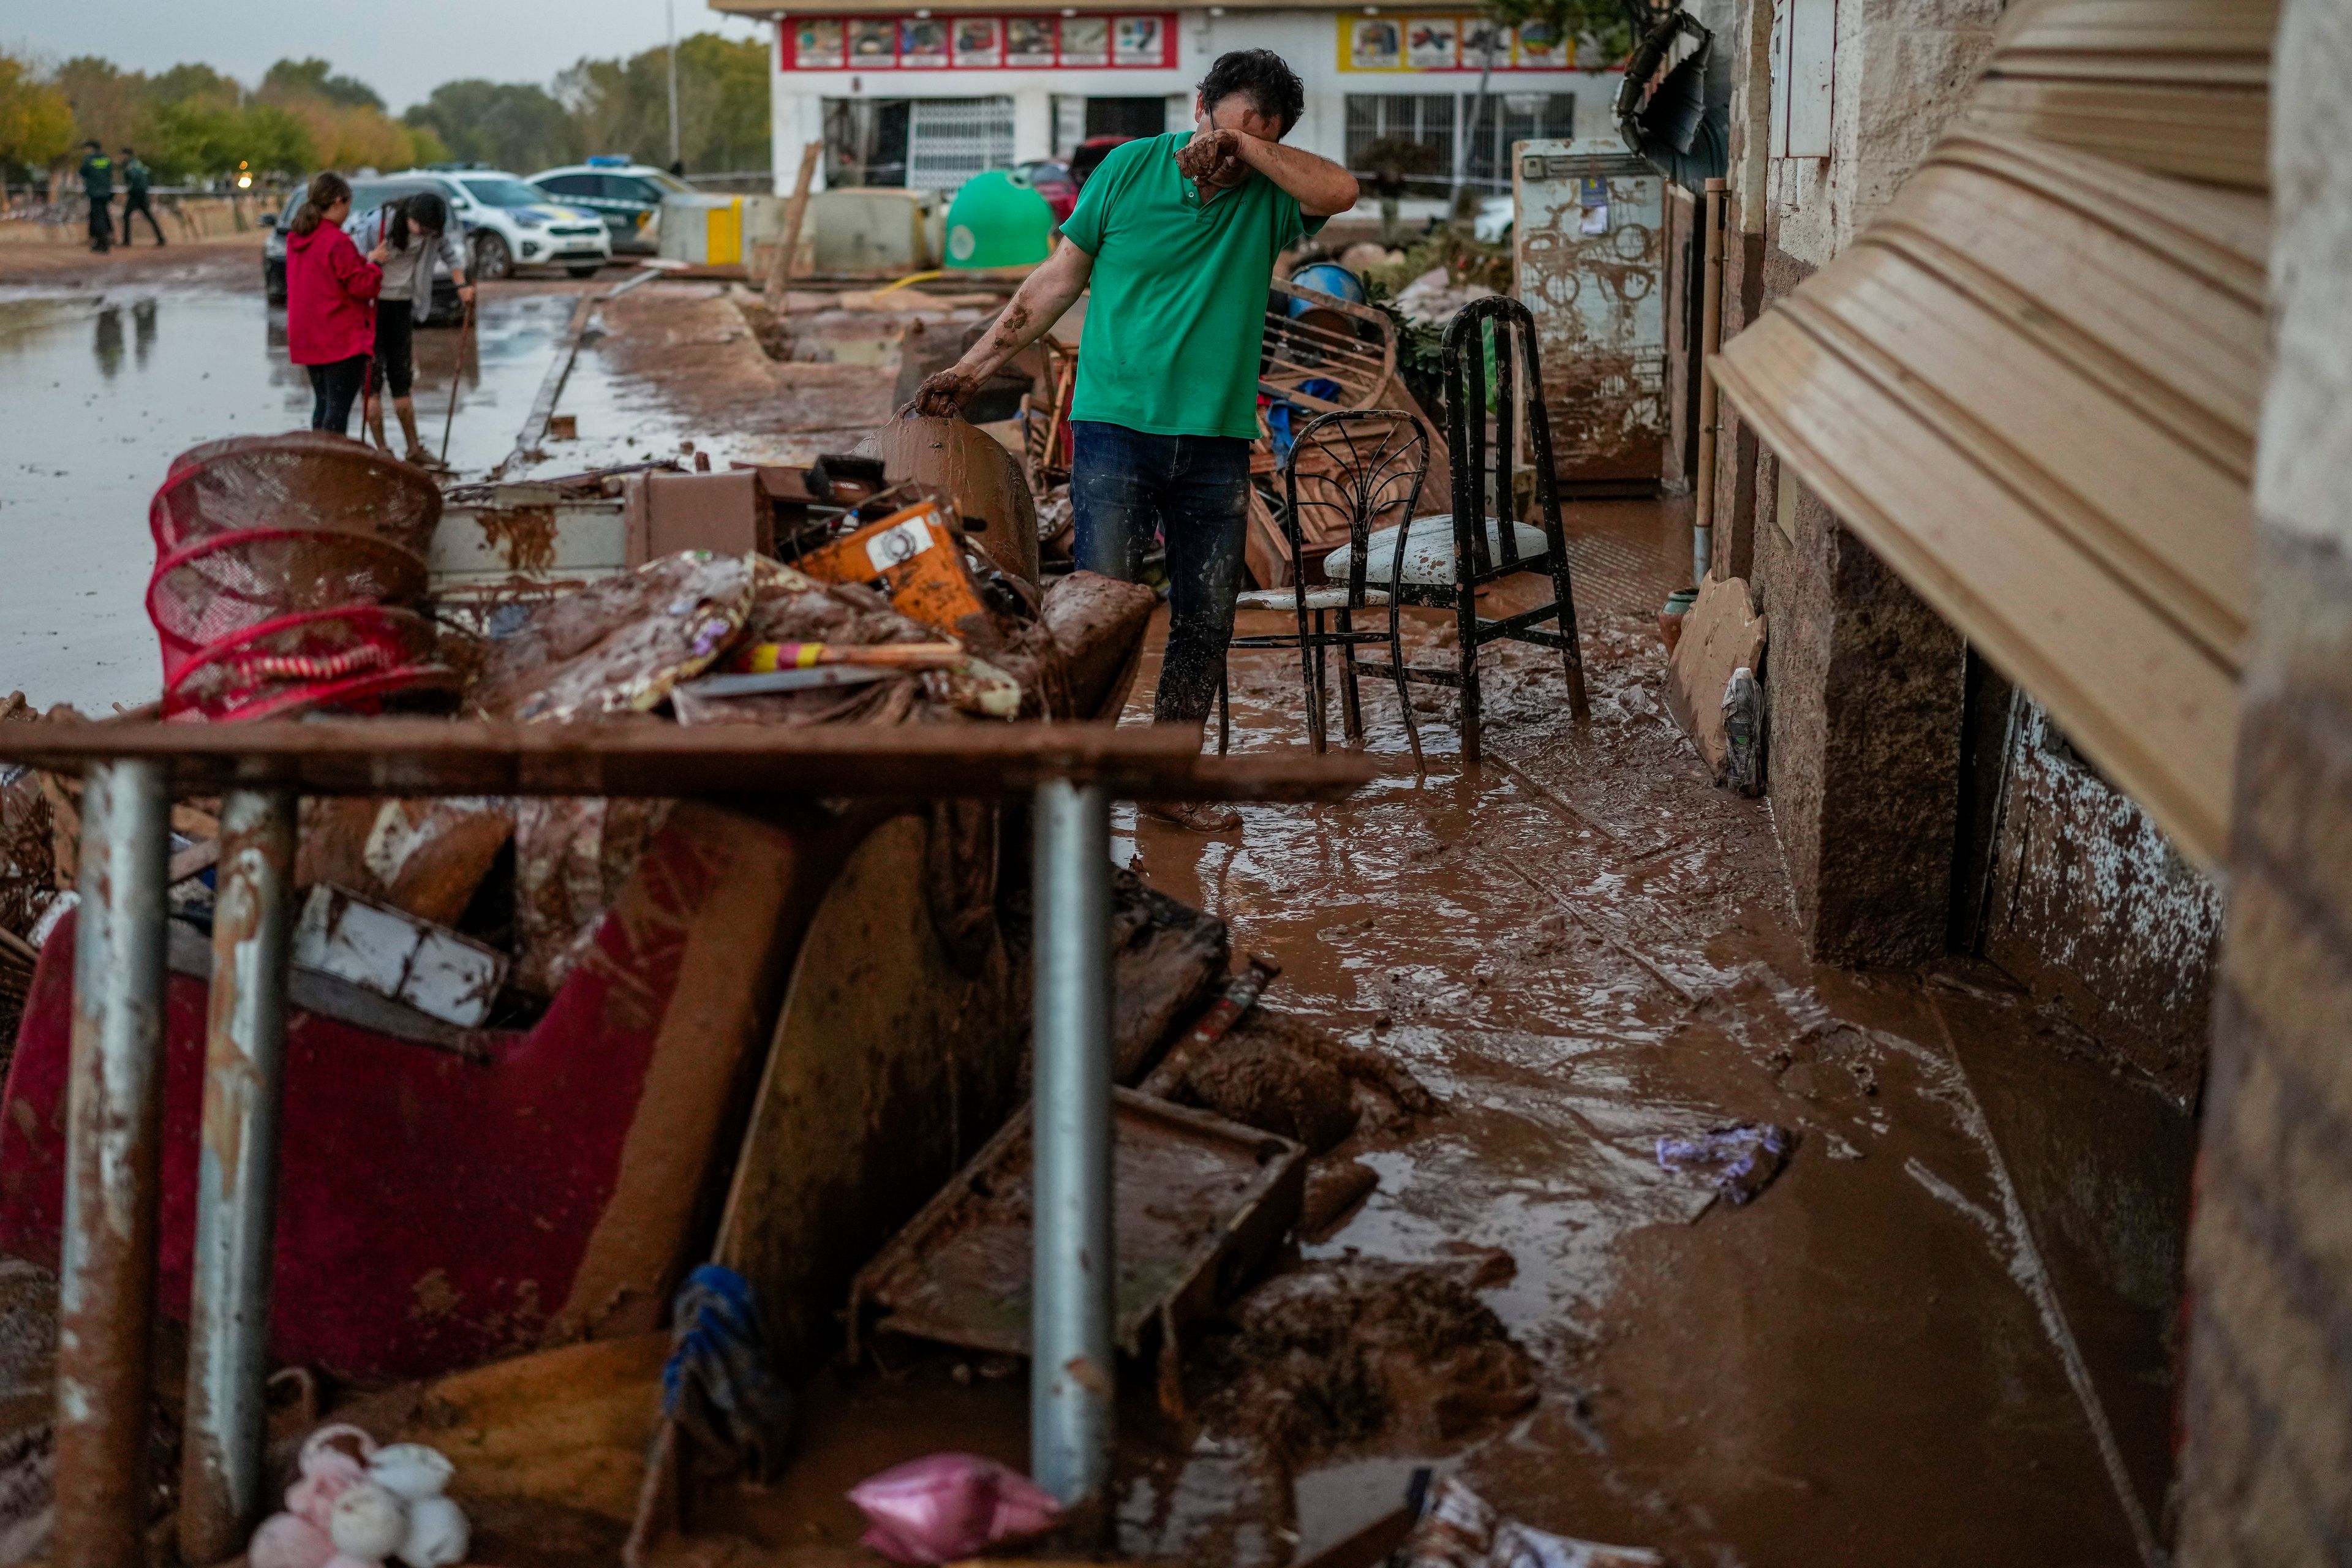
pixel 996 220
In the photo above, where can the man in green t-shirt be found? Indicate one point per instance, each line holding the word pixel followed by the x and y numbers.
pixel 1177 235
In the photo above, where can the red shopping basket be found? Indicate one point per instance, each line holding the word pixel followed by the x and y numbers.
pixel 304 480
pixel 226 584
pixel 352 655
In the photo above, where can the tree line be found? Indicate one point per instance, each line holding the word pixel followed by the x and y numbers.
pixel 194 123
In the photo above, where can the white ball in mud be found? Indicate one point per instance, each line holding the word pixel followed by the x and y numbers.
pixel 960 243
pixel 369 1522
pixel 437 1533
pixel 411 1470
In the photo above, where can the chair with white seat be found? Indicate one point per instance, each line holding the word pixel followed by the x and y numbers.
pixel 1355 471
pixel 1441 561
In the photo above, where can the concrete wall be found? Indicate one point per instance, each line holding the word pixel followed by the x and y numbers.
pixel 184 217
pixel 1864 688
pixel 1863 683
pixel 1901 69
pixel 2267 1473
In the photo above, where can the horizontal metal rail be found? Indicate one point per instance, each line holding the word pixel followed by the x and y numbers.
pixel 649 757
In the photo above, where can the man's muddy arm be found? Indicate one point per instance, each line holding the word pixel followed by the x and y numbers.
pixel 1321 187
pixel 1039 302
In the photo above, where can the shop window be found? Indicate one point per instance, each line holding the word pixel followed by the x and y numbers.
pixel 865 141
pixel 1511 116
pixel 950 139
pixel 1125 115
pixel 1424 121
pixel 1378 121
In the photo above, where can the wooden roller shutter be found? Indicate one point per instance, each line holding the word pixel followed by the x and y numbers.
pixel 2031 383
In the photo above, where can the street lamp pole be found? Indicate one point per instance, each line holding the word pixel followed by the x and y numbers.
pixel 671 5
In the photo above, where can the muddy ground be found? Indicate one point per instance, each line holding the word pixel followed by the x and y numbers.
pixel 1942 1335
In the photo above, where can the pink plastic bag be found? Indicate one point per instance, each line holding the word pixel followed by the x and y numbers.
pixel 948 1506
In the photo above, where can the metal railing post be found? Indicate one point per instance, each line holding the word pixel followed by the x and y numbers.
pixel 1072 1372
pixel 114 1125
pixel 221 1480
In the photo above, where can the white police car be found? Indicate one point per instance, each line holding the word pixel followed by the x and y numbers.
pixel 511 223
pixel 627 195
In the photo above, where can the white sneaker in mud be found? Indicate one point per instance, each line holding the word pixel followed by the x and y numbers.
pixel 1200 815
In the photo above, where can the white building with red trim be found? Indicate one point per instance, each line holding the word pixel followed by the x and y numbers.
pixel 926 96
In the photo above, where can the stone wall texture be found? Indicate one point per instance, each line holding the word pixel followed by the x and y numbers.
pixel 1864 686
pixel 1863 683
pixel 2267 1469
pixel 2267 1472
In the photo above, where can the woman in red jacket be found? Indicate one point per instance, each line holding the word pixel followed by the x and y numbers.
pixel 330 293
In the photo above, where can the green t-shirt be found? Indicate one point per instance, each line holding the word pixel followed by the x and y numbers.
pixel 1177 317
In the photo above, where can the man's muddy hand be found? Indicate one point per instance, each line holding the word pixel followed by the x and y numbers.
pixel 943 393
pixel 1210 154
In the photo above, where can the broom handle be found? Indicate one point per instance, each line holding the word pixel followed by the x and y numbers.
pixel 456 375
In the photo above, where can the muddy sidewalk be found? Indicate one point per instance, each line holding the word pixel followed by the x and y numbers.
pixel 1939 1335
pixel 1924 1342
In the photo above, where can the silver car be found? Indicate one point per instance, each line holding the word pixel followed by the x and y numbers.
pixel 366 193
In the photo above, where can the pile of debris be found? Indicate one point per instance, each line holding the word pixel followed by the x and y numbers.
pixel 877 606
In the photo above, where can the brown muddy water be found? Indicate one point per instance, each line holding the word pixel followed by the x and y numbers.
pixel 1942 1335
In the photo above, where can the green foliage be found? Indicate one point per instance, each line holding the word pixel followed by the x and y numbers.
pixel 1603 29
pixel 427 146
pixel 623 106
pixel 112 106
pixel 511 125
pixel 311 79
pixel 35 119
pixel 191 122
pixel 1399 155
pixel 200 137
pixel 1465 258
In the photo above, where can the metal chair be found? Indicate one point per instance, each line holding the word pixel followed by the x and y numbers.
pixel 1440 562
pixel 1353 472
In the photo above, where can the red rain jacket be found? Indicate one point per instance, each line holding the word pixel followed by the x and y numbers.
pixel 330 291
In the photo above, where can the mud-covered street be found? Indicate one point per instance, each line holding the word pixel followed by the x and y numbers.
pixel 1944 1332
pixel 1941 1335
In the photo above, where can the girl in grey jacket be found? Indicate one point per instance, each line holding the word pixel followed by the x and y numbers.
pixel 416 231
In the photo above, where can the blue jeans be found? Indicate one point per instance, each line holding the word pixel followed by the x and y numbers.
pixel 1193 491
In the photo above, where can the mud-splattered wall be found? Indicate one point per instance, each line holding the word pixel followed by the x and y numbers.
pixel 2092 906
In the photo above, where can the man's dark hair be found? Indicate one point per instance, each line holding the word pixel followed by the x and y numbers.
pixel 1266 78
pixel 94 146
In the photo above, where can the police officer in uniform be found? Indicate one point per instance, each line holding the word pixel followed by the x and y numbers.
pixel 136 177
pixel 98 185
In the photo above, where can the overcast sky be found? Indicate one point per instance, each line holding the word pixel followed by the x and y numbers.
pixel 403 48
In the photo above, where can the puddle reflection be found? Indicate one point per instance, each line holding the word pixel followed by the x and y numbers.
pixel 97 393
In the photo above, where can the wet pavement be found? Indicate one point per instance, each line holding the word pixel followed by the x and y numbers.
pixel 1941 1335
pixel 99 386
pixel 109 368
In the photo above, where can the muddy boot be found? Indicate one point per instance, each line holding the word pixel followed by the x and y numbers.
pixel 1199 815
pixel 419 458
